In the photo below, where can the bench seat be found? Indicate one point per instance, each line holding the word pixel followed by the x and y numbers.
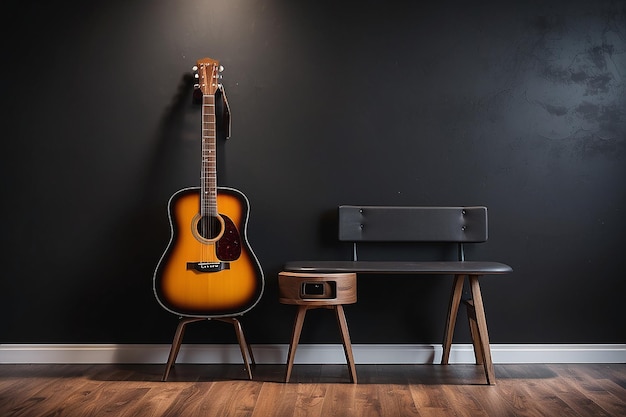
pixel 391 267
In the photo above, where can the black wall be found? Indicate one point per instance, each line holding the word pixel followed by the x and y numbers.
pixel 519 106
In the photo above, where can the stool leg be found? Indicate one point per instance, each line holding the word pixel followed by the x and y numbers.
pixel 453 310
pixel 481 323
pixel 178 339
pixel 347 346
pixel 295 337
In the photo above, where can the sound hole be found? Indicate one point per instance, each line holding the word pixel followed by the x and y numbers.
pixel 209 227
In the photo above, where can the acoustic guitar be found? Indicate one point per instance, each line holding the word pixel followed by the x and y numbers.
pixel 208 268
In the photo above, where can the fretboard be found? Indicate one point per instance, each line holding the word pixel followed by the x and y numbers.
pixel 208 178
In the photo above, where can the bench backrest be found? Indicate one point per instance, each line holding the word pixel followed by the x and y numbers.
pixel 413 224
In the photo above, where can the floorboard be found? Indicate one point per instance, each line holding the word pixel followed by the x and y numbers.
pixel 562 390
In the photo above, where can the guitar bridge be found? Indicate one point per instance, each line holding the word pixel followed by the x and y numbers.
pixel 208 266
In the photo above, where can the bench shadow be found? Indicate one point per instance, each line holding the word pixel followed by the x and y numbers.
pixel 421 374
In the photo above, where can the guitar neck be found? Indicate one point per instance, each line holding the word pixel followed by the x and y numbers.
pixel 208 178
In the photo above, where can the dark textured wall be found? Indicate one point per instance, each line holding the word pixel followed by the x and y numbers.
pixel 519 106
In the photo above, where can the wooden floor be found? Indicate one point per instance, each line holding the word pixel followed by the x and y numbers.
pixel 314 390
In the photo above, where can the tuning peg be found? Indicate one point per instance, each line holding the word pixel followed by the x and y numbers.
pixel 221 68
pixel 196 76
pixel 194 68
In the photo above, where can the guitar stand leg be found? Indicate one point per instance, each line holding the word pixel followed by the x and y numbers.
pixel 243 345
pixel 178 339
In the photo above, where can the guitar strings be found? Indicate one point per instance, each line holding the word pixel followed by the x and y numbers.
pixel 209 173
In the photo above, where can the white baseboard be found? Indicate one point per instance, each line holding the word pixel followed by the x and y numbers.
pixel 308 354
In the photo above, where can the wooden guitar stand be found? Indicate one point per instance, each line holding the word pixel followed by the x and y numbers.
pixel 180 331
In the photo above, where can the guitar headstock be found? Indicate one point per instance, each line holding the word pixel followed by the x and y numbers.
pixel 207 70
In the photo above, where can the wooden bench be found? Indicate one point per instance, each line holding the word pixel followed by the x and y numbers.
pixel 451 225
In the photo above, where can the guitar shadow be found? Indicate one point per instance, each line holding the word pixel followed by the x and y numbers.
pixel 133 243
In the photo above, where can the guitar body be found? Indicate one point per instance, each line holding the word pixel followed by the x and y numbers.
pixel 208 269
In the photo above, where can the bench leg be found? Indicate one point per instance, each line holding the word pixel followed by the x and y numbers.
pixel 481 324
pixel 453 309
pixel 347 345
pixel 473 326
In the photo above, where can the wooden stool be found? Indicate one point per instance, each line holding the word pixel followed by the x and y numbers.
pixel 318 290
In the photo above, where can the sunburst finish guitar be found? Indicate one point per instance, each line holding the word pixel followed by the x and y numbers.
pixel 208 269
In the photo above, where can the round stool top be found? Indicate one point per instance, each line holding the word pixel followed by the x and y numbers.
pixel 320 289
